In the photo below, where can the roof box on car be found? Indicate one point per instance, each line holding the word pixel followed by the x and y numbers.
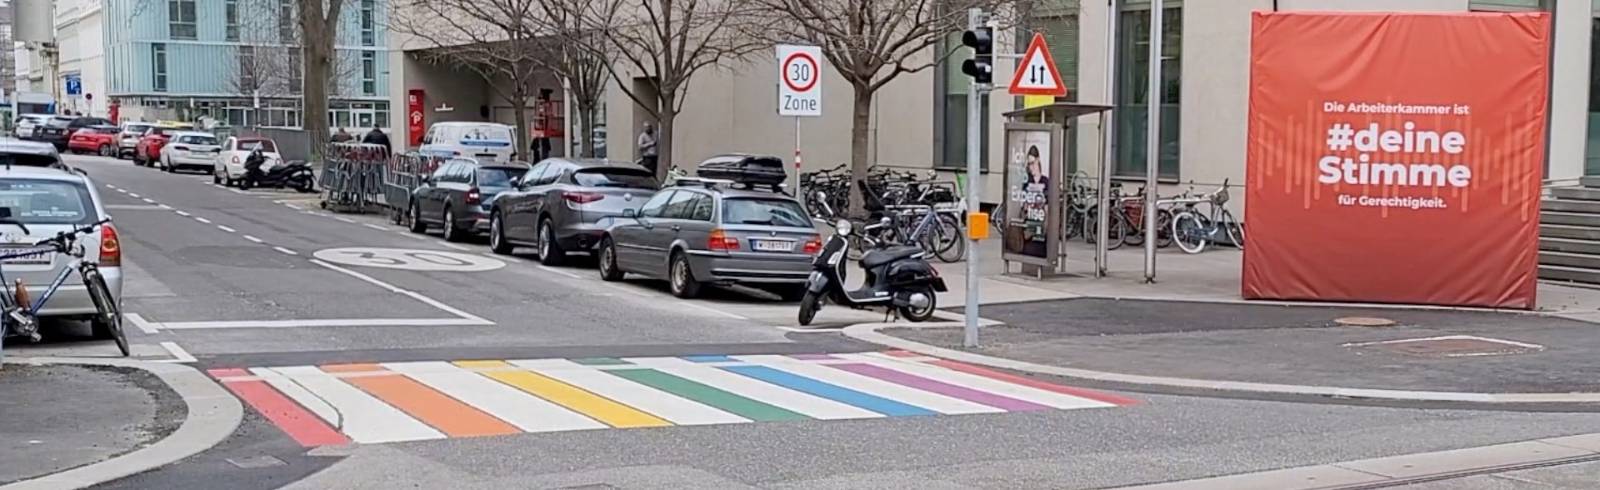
pixel 746 169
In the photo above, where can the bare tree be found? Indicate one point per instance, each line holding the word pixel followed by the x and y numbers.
pixel 496 39
pixel 664 43
pixel 319 29
pixel 870 43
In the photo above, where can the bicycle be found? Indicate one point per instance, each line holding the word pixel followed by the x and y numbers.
pixel 20 318
pixel 936 232
pixel 1193 231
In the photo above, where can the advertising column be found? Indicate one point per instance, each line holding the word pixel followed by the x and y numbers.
pixel 1032 163
pixel 1396 157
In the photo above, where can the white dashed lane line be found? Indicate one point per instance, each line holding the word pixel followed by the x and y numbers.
pixel 182 213
pixel 253 239
pixel 227 229
pixel 149 200
pixel 454 246
pixel 202 220
pixel 285 250
pixel 375 227
pixel 163 206
pixel 132 195
pixel 346 220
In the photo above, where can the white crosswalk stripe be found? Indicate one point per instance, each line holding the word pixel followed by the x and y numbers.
pixel 670 407
pixel 912 396
pixel 802 403
pixel 366 419
pixel 527 412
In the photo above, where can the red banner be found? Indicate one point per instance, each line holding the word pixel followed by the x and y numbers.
pixel 415 126
pixel 1396 157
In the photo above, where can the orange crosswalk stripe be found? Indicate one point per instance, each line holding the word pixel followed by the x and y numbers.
pixel 442 412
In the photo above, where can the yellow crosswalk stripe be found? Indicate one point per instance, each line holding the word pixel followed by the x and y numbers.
pixel 597 407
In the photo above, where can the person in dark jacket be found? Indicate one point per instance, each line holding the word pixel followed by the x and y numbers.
pixel 377 137
pixel 342 136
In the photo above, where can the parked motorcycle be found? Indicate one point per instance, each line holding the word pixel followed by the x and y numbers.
pixel 293 175
pixel 899 278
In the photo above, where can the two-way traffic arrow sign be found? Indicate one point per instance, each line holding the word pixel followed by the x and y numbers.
pixel 1036 73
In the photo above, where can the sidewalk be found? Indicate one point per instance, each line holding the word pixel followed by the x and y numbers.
pixel 60 416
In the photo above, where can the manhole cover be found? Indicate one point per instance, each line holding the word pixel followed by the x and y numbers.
pixel 1451 346
pixel 1364 321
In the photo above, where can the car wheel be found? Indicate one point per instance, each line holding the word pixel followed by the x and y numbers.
pixel 417 226
pixel 216 177
pixel 550 252
pixel 609 271
pixel 107 151
pixel 681 278
pixel 452 233
pixel 166 164
pixel 497 235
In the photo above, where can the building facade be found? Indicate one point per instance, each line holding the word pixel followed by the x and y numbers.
pixel 238 61
pixel 919 120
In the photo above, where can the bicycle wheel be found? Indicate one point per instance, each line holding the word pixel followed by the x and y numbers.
pixel 1163 228
pixel 1189 232
pixel 109 319
pixel 1118 234
pixel 952 244
pixel 1073 224
pixel 1234 228
pixel 1135 230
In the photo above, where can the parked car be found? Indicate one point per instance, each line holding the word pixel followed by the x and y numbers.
pixel 228 165
pixel 30 154
pixel 558 204
pixel 190 149
pixel 459 195
pixel 26 124
pixel 128 139
pixel 148 151
pixel 50 201
pixel 101 140
pixel 479 140
pixel 59 130
pixel 705 232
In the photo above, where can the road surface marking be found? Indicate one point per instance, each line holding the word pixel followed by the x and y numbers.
pixel 348 322
pixel 124 191
pixel 182 213
pixel 672 408
pixel 149 200
pixel 558 271
pixel 712 310
pixel 932 401
pixel 253 239
pixel 286 251
pixel 235 191
pixel 303 427
pixel 600 408
pixel 1033 383
pixel 529 413
pixel 375 227
pixel 1011 390
pixel 396 289
pixel 794 401
pixel 367 419
pixel 202 220
pixel 227 229
pixel 453 246
pixel 346 220
pixel 132 195
pixel 178 354
pixel 446 414
pixel 409 259
pixel 139 322
pixel 163 206
pixel 132 207
pixel 299 394
pixel 628 290
pixel 830 391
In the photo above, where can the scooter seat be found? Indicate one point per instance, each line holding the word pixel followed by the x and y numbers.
pixel 886 255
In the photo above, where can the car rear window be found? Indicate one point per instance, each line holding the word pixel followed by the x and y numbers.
pixel 136 128
pixel 105 130
pixel 498 176
pixel 251 145
pixel 774 212
pixel 195 139
pixel 615 177
pixel 27 160
pixel 46 202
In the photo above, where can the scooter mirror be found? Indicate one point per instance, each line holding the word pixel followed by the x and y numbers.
pixel 843 226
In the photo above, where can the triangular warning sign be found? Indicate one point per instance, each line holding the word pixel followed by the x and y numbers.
pixel 1036 73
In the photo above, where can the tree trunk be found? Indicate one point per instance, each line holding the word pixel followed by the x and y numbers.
pixel 316 93
pixel 664 138
pixel 524 138
pixel 585 129
pixel 860 132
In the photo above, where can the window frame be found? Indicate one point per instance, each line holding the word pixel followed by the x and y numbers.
pixel 230 15
pixel 158 62
pixel 1128 159
pixel 665 196
pixel 190 27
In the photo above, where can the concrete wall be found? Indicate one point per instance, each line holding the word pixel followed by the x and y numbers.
pixel 1569 89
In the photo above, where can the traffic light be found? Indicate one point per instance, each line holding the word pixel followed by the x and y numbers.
pixel 981 66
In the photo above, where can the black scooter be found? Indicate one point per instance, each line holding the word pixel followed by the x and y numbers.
pixel 294 175
pixel 899 278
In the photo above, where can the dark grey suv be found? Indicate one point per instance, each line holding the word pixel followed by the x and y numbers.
pixel 557 204
pixel 459 194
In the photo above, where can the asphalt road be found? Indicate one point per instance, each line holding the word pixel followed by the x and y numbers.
pixel 338 348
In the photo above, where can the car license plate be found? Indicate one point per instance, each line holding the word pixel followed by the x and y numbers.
pixel 40 257
pixel 772 245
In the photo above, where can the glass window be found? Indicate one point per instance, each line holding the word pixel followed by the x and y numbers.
pixel 774 212
pixel 369 23
pixel 252 145
pixel 655 206
pixel 248 70
pixel 498 176
pixel 1508 5
pixel 197 139
pixel 532 174
pixel 341 119
pixel 1133 94
pixel 46 202
pixel 380 115
pixel 296 71
pixel 286 22
pixel 442 174
pixel 951 125
pixel 615 177
pixel 681 206
pixel 701 210
pixel 230 14
pixel 363 119
pixel 181 19
pixel 1592 153
pixel 552 173
pixel 369 73
pixel 158 54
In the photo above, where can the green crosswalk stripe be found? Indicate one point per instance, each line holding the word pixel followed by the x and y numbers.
pixel 723 400
pixel 601 361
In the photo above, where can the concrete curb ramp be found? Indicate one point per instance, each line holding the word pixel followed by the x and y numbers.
pixel 212 416
pixel 868 332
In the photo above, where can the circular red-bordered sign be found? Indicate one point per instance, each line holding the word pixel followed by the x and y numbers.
pixel 816 71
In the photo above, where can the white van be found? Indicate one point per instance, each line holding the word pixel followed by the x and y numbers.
pixel 478 140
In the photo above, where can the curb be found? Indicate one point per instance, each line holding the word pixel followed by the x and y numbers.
pixel 868 332
pixel 1405 469
pixel 212 415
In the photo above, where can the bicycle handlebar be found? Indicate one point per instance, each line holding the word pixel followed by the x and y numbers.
pixel 61 240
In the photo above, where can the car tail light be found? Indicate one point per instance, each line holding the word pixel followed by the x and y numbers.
pixel 473 196
pixel 813 245
pixel 236 159
pixel 720 241
pixel 110 247
pixel 582 197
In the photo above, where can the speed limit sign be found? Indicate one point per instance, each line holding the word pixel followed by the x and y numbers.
pixel 799 80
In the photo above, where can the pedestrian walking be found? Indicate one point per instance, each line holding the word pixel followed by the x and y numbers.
pixel 342 136
pixel 377 137
pixel 647 147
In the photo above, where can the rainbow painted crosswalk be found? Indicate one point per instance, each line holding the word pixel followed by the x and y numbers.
pixel 410 401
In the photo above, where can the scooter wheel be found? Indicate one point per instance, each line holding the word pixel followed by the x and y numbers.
pixel 809 304
pixel 921 314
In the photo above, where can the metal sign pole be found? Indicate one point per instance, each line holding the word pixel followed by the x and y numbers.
pixel 1108 143
pixel 796 189
pixel 1152 144
pixel 975 20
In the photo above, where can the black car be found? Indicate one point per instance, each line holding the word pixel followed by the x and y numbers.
pixel 58 131
pixel 459 194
